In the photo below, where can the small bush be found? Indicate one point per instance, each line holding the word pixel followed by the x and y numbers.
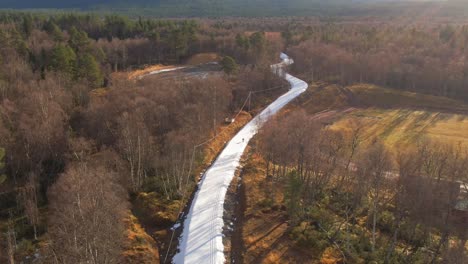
pixel 266 203
pixel 26 246
pixel 250 168
pixel 229 65
pixel 307 237
pixel 386 221
pixel 322 216
pixel 413 234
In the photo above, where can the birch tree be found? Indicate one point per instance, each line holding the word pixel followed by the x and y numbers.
pixel 375 165
pixel 28 198
pixel 85 223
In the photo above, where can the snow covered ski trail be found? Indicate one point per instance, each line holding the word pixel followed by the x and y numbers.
pixel 202 237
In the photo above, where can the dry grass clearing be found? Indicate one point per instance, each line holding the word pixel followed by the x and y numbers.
pixel 99 92
pixel 139 246
pixel 138 73
pixel 397 117
pixel 402 127
pixel 197 59
pixel 371 95
pixel 321 97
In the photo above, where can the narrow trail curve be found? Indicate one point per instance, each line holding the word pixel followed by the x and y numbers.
pixel 202 237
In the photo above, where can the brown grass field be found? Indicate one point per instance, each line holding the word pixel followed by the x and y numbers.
pixel 402 127
pixel 398 118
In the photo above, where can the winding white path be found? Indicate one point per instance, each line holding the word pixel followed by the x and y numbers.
pixel 202 237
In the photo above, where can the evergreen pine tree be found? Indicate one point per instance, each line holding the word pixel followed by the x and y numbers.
pixel 89 70
pixel 63 59
pixel 229 65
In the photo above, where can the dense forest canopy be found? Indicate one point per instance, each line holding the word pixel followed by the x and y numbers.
pixel 77 129
pixel 251 8
pixel 154 3
pixel 73 121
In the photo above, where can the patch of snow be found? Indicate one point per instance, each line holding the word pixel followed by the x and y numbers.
pixel 162 71
pixel 177 225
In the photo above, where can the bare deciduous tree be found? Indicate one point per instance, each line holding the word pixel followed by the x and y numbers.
pixel 135 144
pixel 375 165
pixel 87 209
pixel 28 198
pixel 10 237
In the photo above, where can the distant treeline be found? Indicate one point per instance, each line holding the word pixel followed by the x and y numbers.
pixel 430 59
pixel 252 8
